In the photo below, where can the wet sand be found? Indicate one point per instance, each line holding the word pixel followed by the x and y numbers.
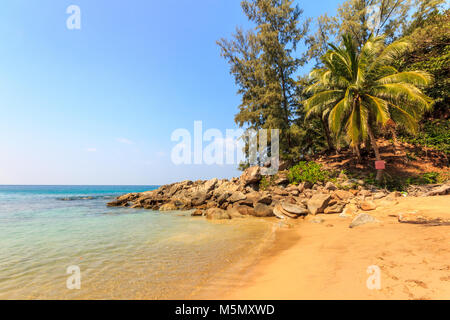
pixel 330 261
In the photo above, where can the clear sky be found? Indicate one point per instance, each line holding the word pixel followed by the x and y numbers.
pixel 98 105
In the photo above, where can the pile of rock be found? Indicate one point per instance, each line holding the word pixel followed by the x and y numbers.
pixel 238 197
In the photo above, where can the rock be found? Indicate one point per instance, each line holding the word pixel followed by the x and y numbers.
pixel 330 186
pixel 277 212
pixel 128 197
pixel 365 193
pixel 421 218
pixel 262 210
pixel 347 184
pixel 336 208
pixel 318 203
pixel 245 210
pixel 367 205
pixel 237 196
pixel 284 213
pixel 217 214
pixel 210 185
pixel 280 192
pixel 282 180
pixel 305 185
pixel 344 215
pixel 223 197
pixel 234 212
pixel 265 198
pixel 294 209
pixel 251 175
pixel 118 203
pixel 350 210
pixel 343 195
pixel 168 207
pixel 199 198
pixel 378 195
pixel 197 213
pixel 362 218
pixel 360 182
pixel 439 191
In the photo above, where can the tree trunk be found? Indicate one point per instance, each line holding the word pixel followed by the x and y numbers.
pixel 394 140
pixel 373 142
pixel 327 135
pixel 358 152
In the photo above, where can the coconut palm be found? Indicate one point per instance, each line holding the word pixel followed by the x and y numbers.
pixel 357 91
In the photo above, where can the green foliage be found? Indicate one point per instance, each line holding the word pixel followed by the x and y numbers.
pixel 431 53
pixel 402 183
pixel 434 134
pixel 358 91
pixel 308 172
pixel 264 65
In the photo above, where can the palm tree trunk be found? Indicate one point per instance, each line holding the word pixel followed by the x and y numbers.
pixel 373 142
pixel 327 134
pixel 358 152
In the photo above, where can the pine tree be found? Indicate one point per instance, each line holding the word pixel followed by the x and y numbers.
pixel 264 64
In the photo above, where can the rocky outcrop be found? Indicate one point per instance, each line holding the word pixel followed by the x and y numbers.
pixel 240 197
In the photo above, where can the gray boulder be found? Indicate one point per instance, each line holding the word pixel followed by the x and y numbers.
pixel 362 218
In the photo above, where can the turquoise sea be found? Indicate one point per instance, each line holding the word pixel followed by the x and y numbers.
pixel 122 253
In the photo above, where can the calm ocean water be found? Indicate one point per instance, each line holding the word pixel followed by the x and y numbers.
pixel 122 253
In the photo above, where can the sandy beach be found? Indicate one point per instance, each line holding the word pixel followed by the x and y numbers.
pixel 329 260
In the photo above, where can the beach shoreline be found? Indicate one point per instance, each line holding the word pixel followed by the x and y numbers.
pixel 328 260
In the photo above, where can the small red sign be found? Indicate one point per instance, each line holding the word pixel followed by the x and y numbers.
pixel 380 165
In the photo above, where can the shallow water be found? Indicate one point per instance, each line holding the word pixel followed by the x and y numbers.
pixel 122 253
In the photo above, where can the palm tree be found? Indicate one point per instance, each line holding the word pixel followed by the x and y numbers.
pixel 358 91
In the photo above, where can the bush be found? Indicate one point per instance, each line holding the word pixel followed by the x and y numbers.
pixel 308 172
pixel 434 134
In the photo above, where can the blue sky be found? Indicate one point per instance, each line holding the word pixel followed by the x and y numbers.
pixel 98 105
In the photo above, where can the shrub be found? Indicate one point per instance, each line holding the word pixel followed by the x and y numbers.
pixel 308 172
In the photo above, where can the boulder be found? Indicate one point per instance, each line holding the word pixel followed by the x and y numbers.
pixel 265 198
pixel 118 203
pixel 294 209
pixel 424 218
pixel 171 206
pixel 278 213
pixel 318 203
pixel 330 186
pixel 237 196
pixel 282 180
pixel 217 214
pixel 350 210
pixel 343 195
pixel 367 205
pixel 199 198
pixel 197 213
pixel 439 191
pixel 262 210
pixel 251 175
pixel 210 185
pixel 244 210
pixel 234 212
pixel 336 208
pixel 280 192
pixel 362 218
